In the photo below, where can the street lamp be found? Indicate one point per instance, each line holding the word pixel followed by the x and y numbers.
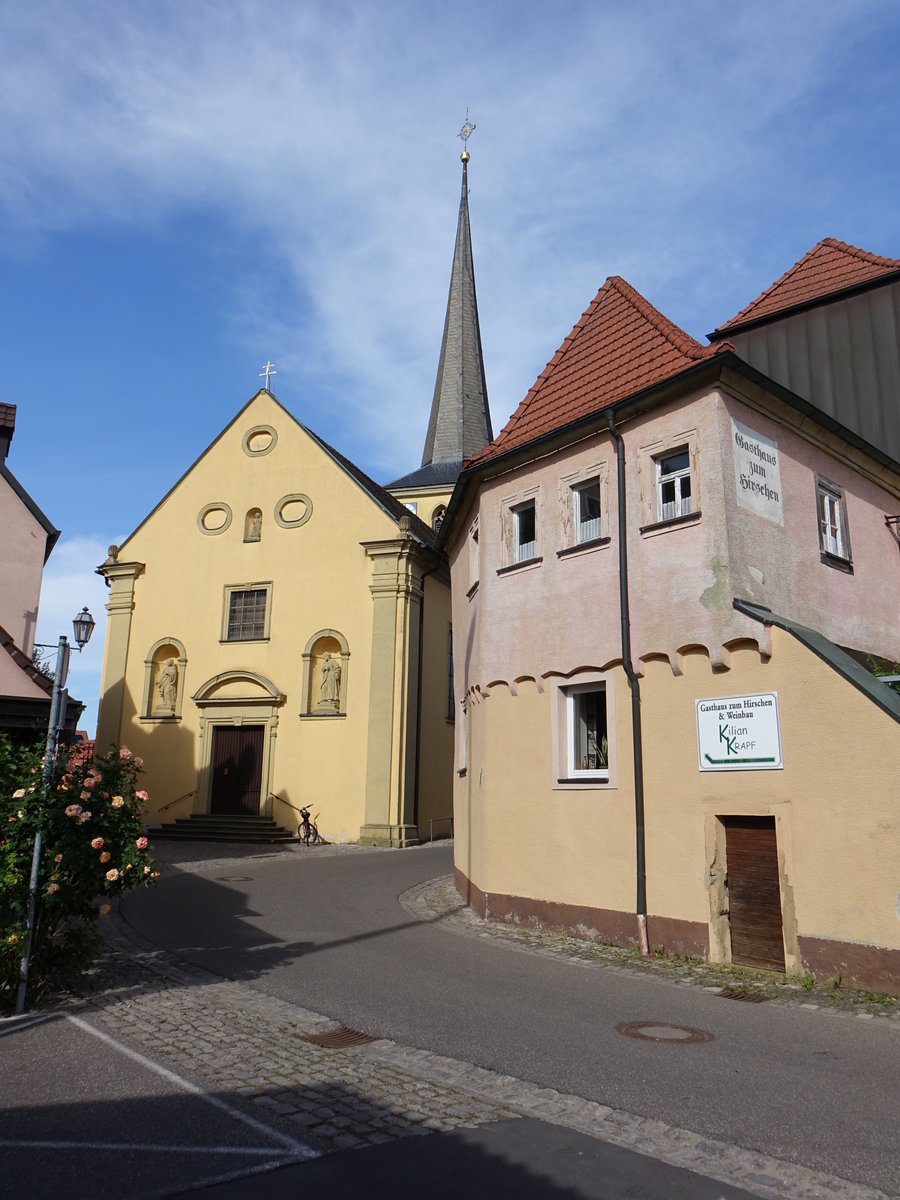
pixel 83 627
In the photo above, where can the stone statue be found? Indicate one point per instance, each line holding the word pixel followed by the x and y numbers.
pixel 255 527
pixel 167 684
pixel 330 687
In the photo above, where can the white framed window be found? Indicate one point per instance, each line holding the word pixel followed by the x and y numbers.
pixel 412 505
pixel 586 511
pixel 588 742
pixel 834 538
pixel 673 484
pixel 524 532
pixel 584 732
pixel 247 612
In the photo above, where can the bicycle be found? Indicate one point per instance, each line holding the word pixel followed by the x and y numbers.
pixel 308 830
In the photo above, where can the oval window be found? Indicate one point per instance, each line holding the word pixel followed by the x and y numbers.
pixel 259 440
pixel 293 510
pixel 214 518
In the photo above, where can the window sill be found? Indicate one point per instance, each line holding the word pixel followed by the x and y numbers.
pixel 835 560
pixel 520 566
pixel 322 716
pixel 658 526
pixel 591 544
pixel 582 783
pixel 242 641
pixel 472 590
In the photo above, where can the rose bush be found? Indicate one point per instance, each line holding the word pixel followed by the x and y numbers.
pixel 94 848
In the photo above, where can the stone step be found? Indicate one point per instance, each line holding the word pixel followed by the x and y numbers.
pixel 212 827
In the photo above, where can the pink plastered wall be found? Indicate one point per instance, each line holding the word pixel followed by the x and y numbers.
pixel 562 614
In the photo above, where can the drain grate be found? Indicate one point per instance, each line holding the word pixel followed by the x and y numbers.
pixel 750 997
pixel 680 1035
pixel 339 1039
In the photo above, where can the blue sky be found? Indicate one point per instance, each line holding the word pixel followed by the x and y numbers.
pixel 188 189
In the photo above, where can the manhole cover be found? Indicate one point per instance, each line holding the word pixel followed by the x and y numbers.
pixel 339 1039
pixel 750 997
pixel 647 1031
pixel 235 878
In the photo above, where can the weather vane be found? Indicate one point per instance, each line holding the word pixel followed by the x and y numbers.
pixel 465 133
pixel 268 369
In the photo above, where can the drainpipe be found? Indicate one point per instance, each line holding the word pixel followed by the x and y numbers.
pixel 635 688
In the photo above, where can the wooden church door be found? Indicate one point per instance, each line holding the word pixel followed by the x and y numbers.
pixel 237 752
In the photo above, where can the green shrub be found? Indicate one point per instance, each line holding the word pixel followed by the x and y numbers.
pixel 94 848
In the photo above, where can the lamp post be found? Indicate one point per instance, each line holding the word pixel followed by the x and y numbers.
pixel 83 626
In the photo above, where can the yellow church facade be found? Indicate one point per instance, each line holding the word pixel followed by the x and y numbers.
pixel 279 638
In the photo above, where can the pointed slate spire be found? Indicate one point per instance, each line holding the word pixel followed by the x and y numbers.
pixel 460 422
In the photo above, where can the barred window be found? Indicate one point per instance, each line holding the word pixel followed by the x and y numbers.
pixel 247 615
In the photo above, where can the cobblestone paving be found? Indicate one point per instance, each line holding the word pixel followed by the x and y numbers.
pixel 236 1041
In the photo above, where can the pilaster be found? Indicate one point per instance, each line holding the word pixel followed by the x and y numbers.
pixel 120 579
pixel 397 588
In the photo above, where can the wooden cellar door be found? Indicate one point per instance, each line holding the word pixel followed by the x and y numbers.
pixel 754 895
pixel 237 752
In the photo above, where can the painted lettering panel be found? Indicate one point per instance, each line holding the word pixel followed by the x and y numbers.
pixel 739 733
pixel 757 472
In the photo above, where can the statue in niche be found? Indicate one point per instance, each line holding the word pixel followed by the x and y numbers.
pixel 330 686
pixel 167 685
pixel 253 532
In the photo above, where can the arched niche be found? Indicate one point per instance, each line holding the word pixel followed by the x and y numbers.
pixel 253 525
pixel 326 661
pixel 164 670
pixel 437 517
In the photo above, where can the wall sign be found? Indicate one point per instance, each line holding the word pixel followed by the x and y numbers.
pixel 739 733
pixel 757 472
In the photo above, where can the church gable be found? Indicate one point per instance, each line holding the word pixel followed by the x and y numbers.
pixel 263 478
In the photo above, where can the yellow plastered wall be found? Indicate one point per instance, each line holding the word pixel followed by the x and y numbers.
pixel 519 835
pixel 834 802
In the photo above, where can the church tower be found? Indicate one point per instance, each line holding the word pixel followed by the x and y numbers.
pixel 460 422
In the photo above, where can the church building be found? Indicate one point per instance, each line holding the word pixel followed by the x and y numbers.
pixel 279 632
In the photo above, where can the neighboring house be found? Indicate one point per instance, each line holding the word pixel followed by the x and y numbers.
pixel 279 625
pixel 654 565
pixel 27 540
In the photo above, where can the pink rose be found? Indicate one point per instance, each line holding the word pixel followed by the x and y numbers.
pixel 105 856
pixel 125 754
pixel 142 843
pixel 82 817
pixel 54 887
pixel 18 794
pixel 112 875
pixel 73 810
pixel 117 801
pixel 97 844
pixel 142 796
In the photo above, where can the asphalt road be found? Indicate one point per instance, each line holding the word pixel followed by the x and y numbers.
pixel 820 1089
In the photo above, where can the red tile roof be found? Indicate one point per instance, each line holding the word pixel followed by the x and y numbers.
pixel 621 345
pixel 831 266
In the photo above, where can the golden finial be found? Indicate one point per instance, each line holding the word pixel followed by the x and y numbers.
pixel 465 133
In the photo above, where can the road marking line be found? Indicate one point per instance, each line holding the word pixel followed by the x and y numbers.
pixel 296 1147
pixel 47 1144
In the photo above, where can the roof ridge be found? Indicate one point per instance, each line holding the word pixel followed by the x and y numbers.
pixel 678 337
pixel 749 311
pixel 878 260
